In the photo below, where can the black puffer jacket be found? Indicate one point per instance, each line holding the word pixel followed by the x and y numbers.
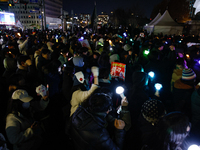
pixel 89 133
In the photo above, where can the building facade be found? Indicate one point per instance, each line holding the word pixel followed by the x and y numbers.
pixel 29 14
pixel 192 9
pixel 53 8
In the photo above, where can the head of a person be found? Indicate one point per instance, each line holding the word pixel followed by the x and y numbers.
pixel 100 103
pixel 10 64
pixel 104 60
pixel 153 110
pixel 96 55
pixel 64 51
pixel 137 68
pixel 45 54
pixel 181 63
pixel 83 50
pixel 11 53
pixel 78 61
pixel 11 45
pixel 153 55
pixel 54 67
pixel 173 128
pixel 104 73
pixel 21 40
pixel 140 79
pixel 78 78
pixel 20 102
pixel 188 76
pixel 23 60
pixel 17 80
pixel 159 46
pixel 127 47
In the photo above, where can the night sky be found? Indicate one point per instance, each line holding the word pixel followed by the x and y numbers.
pixel 87 6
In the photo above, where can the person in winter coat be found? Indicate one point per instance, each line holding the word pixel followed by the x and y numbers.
pixel 79 95
pixel 183 89
pixel 26 68
pixel 23 46
pixel 10 65
pixel 63 58
pixel 151 112
pixel 88 129
pixel 22 130
pixel 43 60
pixel 177 72
pixel 170 133
pixel 138 93
pixel 195 105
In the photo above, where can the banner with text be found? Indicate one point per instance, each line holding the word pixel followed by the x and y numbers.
pixel 118 70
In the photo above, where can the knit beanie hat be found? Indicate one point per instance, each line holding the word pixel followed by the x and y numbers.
pixel 78 61
pixel 78 78
pixel 152 110
pixel 188 74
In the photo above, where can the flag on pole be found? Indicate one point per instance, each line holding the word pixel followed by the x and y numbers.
pixel 19 25
pixel 197 6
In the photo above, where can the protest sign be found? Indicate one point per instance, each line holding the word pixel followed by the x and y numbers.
pixel 118 70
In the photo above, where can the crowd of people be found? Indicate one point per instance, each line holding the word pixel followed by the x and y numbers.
pixel 58 93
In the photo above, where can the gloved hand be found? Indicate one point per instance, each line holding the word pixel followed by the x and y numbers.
pixel 41 90
pixel 95 71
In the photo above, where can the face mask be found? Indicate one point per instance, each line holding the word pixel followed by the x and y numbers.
pixel 26 105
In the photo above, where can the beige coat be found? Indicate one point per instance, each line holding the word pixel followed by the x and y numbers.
pixel 79 96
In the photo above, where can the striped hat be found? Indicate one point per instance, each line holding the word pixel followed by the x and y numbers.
pixel 188 74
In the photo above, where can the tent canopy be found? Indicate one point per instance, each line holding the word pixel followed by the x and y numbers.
pixel 165 20
pixel 164 24
pixel 155 19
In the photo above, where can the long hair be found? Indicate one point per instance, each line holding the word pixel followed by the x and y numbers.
pixel 172 130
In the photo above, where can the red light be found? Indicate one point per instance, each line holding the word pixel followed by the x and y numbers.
pixel 150 18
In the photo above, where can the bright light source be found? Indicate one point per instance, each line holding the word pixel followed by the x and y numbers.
pixel 82 38
pixel 84 33
pixel 151 74
pixel 194 147
pixel 119 90
pixel 158 86
pixel 187 55
pixel 199 61
pixel 179 41
pixel 146 52
pixel 131 40
pixel 124 34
